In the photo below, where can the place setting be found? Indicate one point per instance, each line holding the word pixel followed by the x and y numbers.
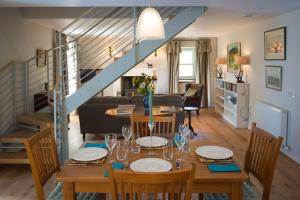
pixel 88 156
pixel 217 158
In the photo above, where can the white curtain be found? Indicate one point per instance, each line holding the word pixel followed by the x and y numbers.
pixel 202 67
pixel 173 51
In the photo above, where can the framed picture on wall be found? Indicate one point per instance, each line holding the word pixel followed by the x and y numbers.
pixel 275 44
pixel 233 50
pixel 274 77
pixel 41 58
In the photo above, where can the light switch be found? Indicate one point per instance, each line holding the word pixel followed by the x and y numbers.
pixel 292 94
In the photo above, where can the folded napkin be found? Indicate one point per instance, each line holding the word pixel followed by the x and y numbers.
pixel 115 165
pixel 224 167
pixel 100 145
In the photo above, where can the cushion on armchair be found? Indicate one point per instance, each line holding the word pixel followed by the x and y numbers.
pixel 191 92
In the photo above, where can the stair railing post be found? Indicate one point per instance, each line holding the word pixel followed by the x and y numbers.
pixel 14 92
pixel 64 117
pixel 135 42
pixel 48 78
pixel 26 106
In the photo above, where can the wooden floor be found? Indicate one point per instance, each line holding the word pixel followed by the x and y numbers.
pixel 16 181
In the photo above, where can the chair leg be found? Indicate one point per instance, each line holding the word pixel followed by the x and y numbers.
pixel 83 136
pixel 200 196
pixel 197 112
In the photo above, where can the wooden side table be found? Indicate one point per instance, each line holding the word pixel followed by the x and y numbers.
pixel 189 110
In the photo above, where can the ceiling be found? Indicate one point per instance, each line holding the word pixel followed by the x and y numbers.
pixel 222 15
pixel 241 5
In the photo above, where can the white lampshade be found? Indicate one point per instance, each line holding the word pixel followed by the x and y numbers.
pixel 150 25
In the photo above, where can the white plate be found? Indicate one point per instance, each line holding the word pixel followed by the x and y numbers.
pixel 151 165
pixel 214 152
pixel 89 154
pixel 156 141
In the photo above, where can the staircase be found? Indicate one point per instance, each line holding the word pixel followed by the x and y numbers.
pixel 83 64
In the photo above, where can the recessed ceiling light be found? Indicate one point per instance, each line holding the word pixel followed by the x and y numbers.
pixel 247 14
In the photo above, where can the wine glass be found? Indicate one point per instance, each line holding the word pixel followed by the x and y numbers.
pixel 180 141
pixel 126 132
pixel 110 141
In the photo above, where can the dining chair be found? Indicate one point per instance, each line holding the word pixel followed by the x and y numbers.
pixel 260 161
pixel 171 185
pixel 164 125
pixel 42 153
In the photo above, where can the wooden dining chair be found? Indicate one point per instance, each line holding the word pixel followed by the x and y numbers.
pixel 164 125
pixel 43 157
pixel 260 161
pixel 42 153
pixel 261 157
pixel 171 185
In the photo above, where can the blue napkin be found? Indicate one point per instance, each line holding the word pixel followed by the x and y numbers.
pixel 224 167
pixel 100 145
pixel 115 165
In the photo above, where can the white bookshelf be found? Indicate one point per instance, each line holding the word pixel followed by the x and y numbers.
pixel 232 102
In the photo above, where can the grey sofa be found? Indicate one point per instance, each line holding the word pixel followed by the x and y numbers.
pixel 93 119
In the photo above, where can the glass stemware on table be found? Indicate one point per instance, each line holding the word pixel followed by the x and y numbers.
pixel 127 133
pixel 110 141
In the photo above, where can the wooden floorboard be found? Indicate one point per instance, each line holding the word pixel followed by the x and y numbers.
pixel 16 182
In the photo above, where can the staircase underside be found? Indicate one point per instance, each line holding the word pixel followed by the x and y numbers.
pixel 131 59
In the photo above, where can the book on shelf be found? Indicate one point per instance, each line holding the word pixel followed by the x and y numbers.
pixel 126 109
pixel 167 109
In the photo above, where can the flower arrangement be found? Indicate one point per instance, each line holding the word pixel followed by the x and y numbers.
pixel 144 83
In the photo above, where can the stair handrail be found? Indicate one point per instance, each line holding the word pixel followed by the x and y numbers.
pixel 77 19
pixel 7 65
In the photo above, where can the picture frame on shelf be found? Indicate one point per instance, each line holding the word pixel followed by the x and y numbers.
pixel 273 77
pixel 233 50
pixel 41 58
pixel 275 44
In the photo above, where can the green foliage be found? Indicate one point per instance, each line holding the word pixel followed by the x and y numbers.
pixel 144 83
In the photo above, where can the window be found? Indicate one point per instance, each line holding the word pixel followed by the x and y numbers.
pixel 187 64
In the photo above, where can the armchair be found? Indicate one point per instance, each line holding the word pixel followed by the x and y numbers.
pixel 193 97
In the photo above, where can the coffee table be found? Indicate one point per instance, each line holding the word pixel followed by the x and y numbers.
pixel 139 110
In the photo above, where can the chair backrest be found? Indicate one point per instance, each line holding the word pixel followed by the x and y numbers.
pixel 43 157
pixel 164 125
pixel 176 184
pixel 261 157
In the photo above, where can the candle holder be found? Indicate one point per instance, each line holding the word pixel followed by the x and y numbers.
pixel 151 154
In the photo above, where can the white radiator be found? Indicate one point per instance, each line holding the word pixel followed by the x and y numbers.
pixel 272 119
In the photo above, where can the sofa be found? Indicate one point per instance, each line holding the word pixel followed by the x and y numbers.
pixel 93 119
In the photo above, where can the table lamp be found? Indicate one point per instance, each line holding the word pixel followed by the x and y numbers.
pixel 220 61
pixel 241 60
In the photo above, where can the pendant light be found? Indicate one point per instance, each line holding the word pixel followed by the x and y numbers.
pixel 150 25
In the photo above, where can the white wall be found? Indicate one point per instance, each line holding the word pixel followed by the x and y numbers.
pixel 252 44
pixel 19 38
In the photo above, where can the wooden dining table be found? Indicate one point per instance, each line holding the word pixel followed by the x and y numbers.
pixel 90 178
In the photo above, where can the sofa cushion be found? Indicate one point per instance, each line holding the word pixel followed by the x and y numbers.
pixel 163 100
pixel 109 99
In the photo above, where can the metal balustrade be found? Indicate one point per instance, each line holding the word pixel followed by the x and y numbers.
pixel 86 47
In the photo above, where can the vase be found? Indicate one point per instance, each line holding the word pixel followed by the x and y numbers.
pixel 146 101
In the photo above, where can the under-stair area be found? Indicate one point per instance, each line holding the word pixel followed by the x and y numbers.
pixel 81 65
pixel 28 124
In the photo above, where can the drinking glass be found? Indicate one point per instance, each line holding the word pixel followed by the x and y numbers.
pixel 110 141
pixel 135 147
pixel 121 150
pixel 168 151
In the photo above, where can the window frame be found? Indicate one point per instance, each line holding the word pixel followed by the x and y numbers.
pixel 188 78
